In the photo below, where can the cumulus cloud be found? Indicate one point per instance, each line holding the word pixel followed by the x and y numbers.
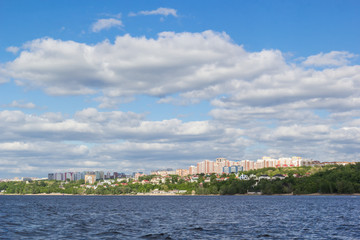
pixel 109 139
pixel 172 63
pixel 296 88
pixel 106 23
pixel 159 11
pixel 19 104
pixel 90 125
pixel 126 141
pixel 195 66
pixel 334 58
pixel 260 103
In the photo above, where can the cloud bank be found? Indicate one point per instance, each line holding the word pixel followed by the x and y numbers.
pixel 108 139
pixel 261 103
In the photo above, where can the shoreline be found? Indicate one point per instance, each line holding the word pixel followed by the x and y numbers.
pixel 169 194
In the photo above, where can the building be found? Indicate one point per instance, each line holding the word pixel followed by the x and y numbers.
pixel 163 172
pixel 99 175
pixel 107 175
pixel 226 170
pixel 220 163
pixel 192 170
pixel 182 172
pixel 247 165
pixel 59 176
pixel 137 175
pixel 244 177
pixel 26 179
pixel 77 176
pixel 51 176
pixel 120 175
pixel 209 167
pixel 69 176
pixel 90 179
pixel 232 169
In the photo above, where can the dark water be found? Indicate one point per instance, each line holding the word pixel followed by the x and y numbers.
pixel 185 217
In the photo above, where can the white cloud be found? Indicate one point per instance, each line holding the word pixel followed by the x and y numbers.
pixel 12 49
pixel 90 125
pixel 3 75
pixel 107 139
pixel 14 146
pixel 129 142
pixel 107 23
pixel 334 58
pixel 260 102
pixel 297 88
pixel 172 63
pixel 159 11
pixel 19 104
pixel 192 66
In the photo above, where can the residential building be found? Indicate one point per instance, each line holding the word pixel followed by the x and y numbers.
pixel 182 172
pixel 90 179
pixel 59 176
pixel 192 170
pixel 51 176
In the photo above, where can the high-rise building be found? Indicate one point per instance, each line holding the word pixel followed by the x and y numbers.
pixel 206 167
pixel 220 163
pixel 51 176
pixel 182 172
pixel 99 175
pixel 121 175
pixel 107 175
pixel 77 176
pixel 247 165
pixel 69 176
pixel 192 170
pixel 59 176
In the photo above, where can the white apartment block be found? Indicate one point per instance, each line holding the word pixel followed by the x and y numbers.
pixel 209 167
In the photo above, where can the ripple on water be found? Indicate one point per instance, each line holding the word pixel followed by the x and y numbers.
pixel 187 217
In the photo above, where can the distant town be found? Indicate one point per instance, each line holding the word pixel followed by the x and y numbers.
pixel 293 175
pixel 219 166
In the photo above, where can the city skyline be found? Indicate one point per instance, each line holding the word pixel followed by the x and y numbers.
pixel 218 167
pixel 138 85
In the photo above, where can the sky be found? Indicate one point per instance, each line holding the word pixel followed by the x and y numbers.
pixel 141 85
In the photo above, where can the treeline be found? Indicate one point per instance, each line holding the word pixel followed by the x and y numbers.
pixel 76 187
pixel 329 180
pixel 302 180
pixel 338 179
pixel 44 186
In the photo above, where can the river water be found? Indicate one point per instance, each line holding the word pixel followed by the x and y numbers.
pixel 179 217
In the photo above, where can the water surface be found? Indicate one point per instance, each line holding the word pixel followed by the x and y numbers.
pixel 180 217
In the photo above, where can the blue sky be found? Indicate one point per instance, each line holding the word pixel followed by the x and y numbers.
pixel 138 85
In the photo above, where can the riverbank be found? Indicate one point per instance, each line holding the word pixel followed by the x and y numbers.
pixel 173 194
